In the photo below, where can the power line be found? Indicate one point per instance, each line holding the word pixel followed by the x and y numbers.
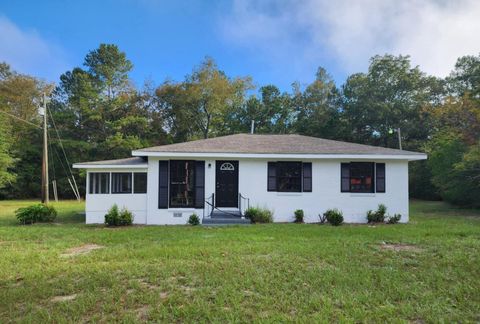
pixel 25 121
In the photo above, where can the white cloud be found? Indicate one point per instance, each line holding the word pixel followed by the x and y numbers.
pixel 348 32
pixel 27 52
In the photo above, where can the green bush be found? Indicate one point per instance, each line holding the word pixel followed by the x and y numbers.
pixel 36 213
pixel 114 217
pixel 194 220
pixel 377 216
pixel 299 216
pixel 394 219
pixel 259 215
pixel 334 216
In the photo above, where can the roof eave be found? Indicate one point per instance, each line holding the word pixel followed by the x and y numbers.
pixel 406 156
pixel 109 166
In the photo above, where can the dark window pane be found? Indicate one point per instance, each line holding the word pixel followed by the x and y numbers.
pixel 361 177
pixel 99 183
pixel 140 182
pixel 289 176
pixel 182 183
pixel 121 183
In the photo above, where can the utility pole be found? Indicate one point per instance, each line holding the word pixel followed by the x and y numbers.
pixel 399 138
pixel 45 194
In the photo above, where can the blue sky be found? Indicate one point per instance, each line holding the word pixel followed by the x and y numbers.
pixel 275 42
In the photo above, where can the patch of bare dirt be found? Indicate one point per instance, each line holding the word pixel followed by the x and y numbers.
pixel 142 313
pixel 82 249
pixel 144 283
pixel 58 299
pixel 397 247
pixel 163 295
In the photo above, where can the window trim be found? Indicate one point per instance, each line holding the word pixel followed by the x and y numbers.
pixel 121 193
pixel 91 184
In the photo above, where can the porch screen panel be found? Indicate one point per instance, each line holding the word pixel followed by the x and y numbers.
pixel 307 177
pixel 380 175
pixel 272 176
pixel 162 184
pixel 345 177
pixel 199 184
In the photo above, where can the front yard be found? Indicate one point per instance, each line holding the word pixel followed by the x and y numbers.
pixel 426 271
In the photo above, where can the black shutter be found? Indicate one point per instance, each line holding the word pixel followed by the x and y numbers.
pixel 199 184
pixel 162 184
pixel 272 177
pixel 380 175
pixel 307 177
pixel 345 177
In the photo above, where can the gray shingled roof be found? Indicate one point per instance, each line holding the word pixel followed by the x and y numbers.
pixel 273 144
pixel 126 161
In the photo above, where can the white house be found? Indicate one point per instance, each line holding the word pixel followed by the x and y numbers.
pixel 219 178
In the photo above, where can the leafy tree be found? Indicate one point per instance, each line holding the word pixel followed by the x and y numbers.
pixel 318 108
pixel 391 95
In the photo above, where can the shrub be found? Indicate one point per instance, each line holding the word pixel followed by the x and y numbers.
pixel 194 220
pixel 299 216
pixel 259 215
pixel 125 217
pixel 394 219
pixel 114 217
pixel 334 216
pixel 377 216
pixel 111 218
pixel 36 213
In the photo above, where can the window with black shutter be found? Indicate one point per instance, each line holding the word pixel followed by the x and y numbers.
pixel 289 177
pixel 380 177
pixel 182 184
pixel 362 177
pixel 163 184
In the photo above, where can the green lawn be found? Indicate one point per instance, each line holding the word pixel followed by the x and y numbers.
pixel 429 270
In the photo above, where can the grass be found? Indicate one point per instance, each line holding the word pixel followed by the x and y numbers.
pixel 261 273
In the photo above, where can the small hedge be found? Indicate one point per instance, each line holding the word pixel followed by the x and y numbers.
pixel 394 219
pixel 334 217
pixel 299 216
pixel 114 217
pixel 259 215
pixel 377 216
pixel 194 220
pixel 40 213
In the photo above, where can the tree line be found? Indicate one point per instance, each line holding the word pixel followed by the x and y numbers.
pixel 99 114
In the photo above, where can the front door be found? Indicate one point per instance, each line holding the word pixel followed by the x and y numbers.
pixel 226 184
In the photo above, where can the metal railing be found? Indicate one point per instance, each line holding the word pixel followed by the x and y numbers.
pixel 243 202
pixel 209 206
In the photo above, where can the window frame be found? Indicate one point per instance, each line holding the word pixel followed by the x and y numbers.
pixel 273 177
pixel 135 174
pixel 92 183
pixel 121 192
pixel 193 185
